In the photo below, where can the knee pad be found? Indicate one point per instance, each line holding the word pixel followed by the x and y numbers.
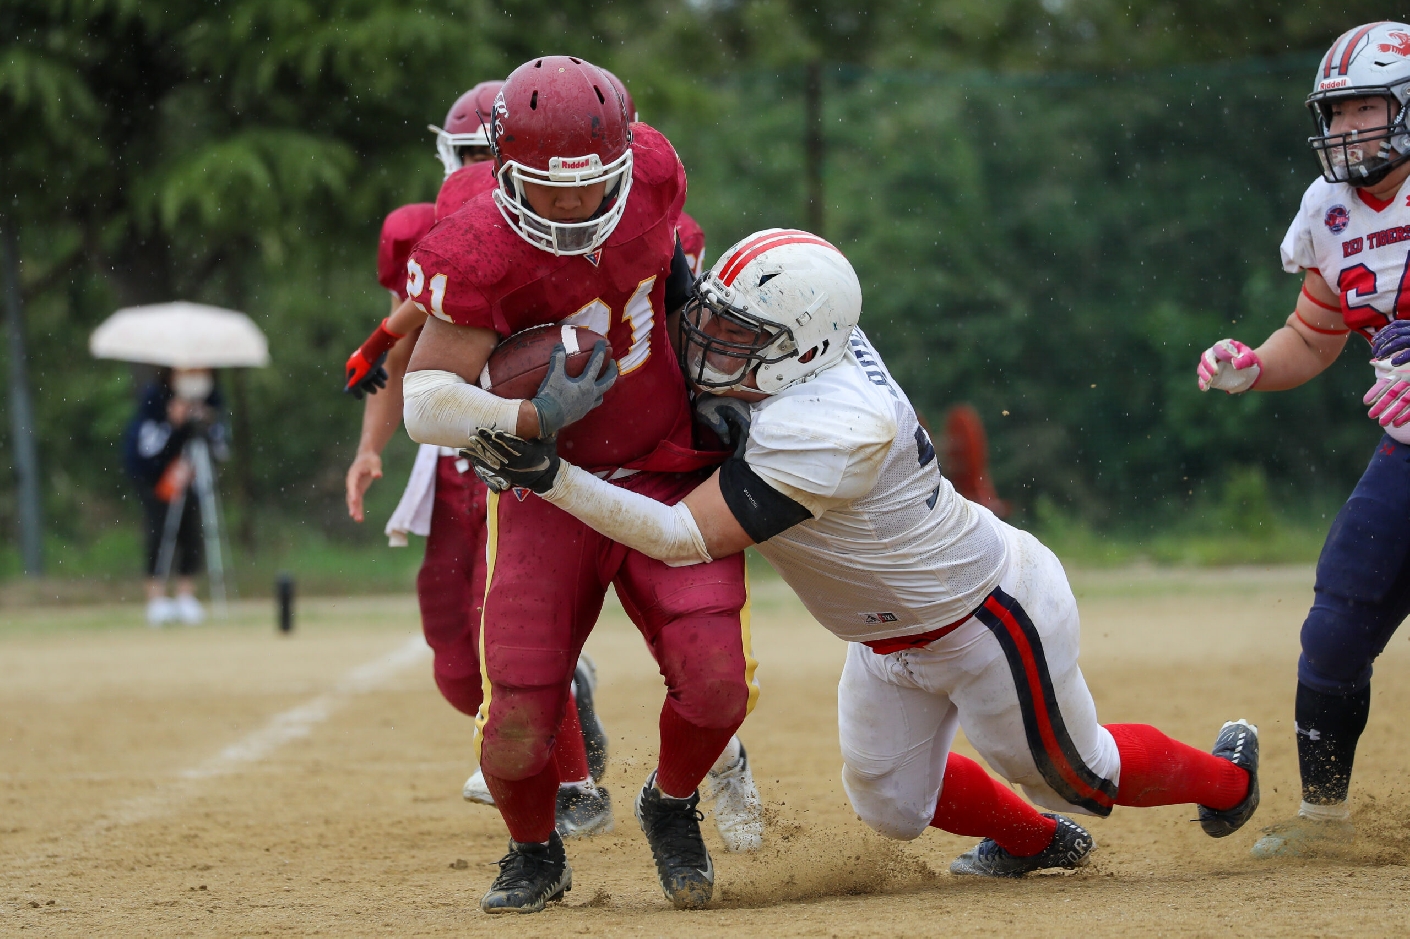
pixel 464 692
pixel 712 702
pixel 519 730
pixel 882 809
pixel 1340 640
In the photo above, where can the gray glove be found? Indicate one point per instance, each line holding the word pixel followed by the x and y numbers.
pixel 505 461
pixel 562 400
pixel 727 417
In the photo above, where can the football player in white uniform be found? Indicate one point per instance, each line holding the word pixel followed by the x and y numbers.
pixel 954 619
pixel 1349 241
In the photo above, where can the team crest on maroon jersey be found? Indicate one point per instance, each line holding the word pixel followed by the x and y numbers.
pixel 594 258
pixel 1337 219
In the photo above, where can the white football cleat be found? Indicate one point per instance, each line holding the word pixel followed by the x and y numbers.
pixel 475 790
pixel 189 610
pixel 738 810
pixel 160 611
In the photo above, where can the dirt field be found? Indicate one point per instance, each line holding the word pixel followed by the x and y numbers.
pixel 224 780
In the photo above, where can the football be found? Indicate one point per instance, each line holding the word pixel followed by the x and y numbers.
pixel 517 365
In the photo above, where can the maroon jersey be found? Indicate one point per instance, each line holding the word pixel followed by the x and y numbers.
pixel 476 270
pixel 692 238
pixel 463 185
pixel 400 232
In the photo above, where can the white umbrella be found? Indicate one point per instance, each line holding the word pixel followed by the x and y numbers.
pixel 180 335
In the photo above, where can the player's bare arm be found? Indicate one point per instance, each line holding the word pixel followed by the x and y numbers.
pixel 1308 343
pixel 381 416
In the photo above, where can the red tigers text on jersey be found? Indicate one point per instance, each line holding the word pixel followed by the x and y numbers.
pixel 692 238
pixel 463 185
pixel 401 230
pixel 475 270
pixel 1360 246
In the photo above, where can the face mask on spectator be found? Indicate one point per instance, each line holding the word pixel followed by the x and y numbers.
pixel 194 385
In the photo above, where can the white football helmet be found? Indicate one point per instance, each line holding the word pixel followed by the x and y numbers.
pixel 1369 61
pixel 779 305
pixel 466 125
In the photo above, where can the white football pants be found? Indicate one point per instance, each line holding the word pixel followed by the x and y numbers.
pixel 1008 676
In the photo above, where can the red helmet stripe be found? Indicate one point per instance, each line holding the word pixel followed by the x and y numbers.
pixel 1332 54
pixel 752 249
pixel 730 270
pixel 1351 45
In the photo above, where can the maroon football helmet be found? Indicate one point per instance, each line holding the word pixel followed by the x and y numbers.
pixel 559 122
pixel 622 90
pixel 467 124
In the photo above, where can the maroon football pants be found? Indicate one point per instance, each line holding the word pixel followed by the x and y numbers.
pixel 451 590
pixel 548 576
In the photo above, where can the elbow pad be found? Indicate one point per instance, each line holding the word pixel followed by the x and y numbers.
pixel 445 410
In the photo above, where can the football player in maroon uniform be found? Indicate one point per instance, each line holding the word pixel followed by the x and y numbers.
pixel 581 229
pixel 444 501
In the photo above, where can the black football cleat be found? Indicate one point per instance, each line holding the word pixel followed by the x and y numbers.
pixel 1238 743
pixel 530 875
pixel 1070 849
pixel 672 828
pixel 594 734
pixel 583 811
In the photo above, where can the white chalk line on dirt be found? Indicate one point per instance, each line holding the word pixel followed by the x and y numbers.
pixel 295 723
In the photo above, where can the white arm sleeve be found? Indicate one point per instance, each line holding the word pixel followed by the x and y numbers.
pixel 444 409
pixel 665 532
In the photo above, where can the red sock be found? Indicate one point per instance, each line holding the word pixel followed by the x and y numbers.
pixel 527 805
pixel 1156 770
pixel 687 752
pixel 569 751
pixel 975 804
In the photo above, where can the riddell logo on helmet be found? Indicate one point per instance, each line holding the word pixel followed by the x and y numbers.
pixel 1400 47
pixel 570 169
pixel 1333 83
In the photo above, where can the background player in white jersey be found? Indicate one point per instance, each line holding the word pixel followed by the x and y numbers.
pixel 955 619
pixel 1349 241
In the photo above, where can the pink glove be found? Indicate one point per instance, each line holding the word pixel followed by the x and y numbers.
pixel 1230 366
pixel 1389 400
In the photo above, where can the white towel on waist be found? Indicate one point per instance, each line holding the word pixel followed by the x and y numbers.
pixel 413 512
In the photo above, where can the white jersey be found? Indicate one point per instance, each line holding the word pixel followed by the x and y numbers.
pixel 1361 247
pixel 892 549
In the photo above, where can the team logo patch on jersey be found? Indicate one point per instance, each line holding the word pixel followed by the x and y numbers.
pixel 1338 217
pixel 876 619
pixel 595 258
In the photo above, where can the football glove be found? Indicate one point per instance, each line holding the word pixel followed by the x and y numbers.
pixel 561 400
pixel 727 417
pixel 1392 342
pixel 505 461
pixel 364 370
pixel 1230 366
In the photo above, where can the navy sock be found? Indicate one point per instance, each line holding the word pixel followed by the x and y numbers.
pixel 1328 728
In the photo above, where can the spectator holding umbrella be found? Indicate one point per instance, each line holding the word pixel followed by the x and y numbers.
pixel 175 435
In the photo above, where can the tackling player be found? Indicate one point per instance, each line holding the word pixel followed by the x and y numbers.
pixel 954 619
pixel 444 502
pixel 1349 241
pixel 581 228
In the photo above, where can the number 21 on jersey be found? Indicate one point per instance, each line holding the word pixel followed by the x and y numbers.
pixel 638 315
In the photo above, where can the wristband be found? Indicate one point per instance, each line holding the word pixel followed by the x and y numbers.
pixel 381 340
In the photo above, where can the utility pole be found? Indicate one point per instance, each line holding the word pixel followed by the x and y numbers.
pixel 813 144
pixel 21 408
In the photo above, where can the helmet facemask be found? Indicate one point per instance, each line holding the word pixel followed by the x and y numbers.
pixel 723 344
pixel 563 173
pixel 1362 157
